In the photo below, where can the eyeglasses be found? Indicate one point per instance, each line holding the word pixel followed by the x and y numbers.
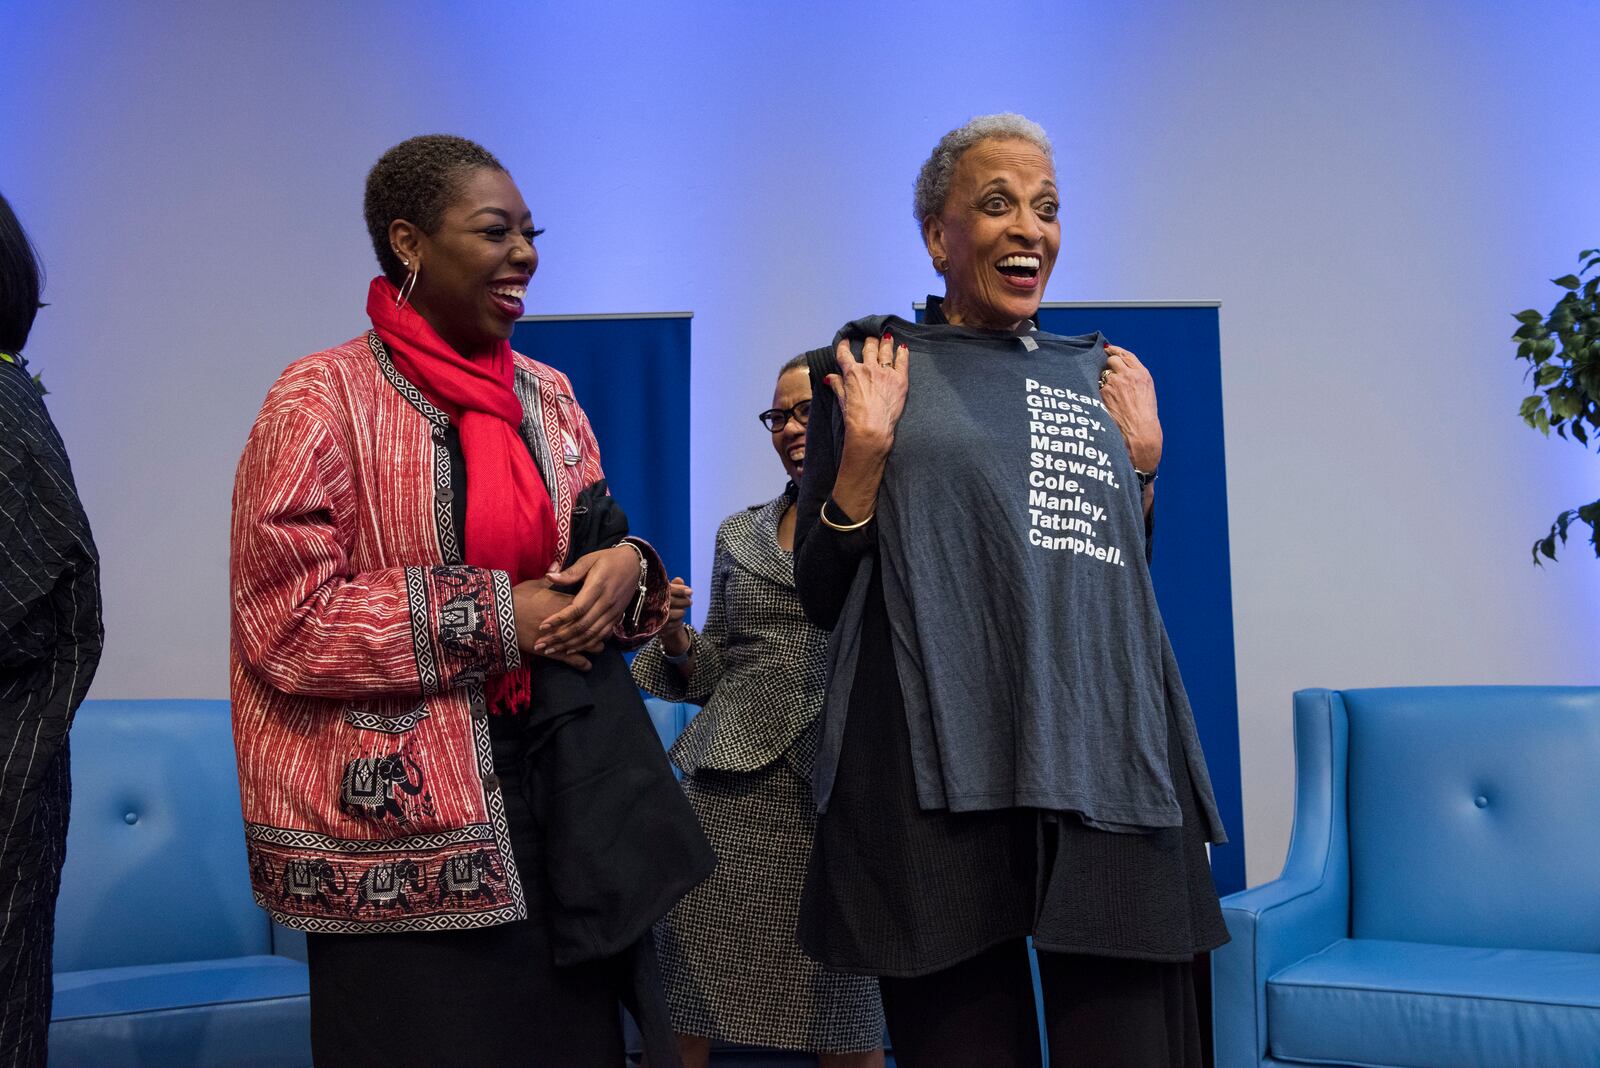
pixel 775 419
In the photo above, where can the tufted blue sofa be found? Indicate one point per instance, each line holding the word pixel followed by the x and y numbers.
pixel 1440 904
pixel 161 956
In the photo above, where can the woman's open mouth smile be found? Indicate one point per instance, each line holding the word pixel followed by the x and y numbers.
pixel 507 296
pixel 1020 271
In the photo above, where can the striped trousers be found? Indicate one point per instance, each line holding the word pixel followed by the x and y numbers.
pixel 30 877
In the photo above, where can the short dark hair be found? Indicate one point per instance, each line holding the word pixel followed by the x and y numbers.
pixel 794 363
pixel 21 278
pixel 415 181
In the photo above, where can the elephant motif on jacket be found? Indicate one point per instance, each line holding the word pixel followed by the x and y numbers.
pixel 463 623
pixel 262 873
pixel 468 876
pixel 370 786
pixel 306 881
pixel 385 886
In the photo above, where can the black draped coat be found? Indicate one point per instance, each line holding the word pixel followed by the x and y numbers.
pixel 50 639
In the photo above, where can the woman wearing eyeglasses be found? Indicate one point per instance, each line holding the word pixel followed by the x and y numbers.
pixel 731 965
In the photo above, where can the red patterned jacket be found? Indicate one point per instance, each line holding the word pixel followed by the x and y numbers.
pixel 360 646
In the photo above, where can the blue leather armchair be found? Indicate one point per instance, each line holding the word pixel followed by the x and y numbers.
pixel 161 955
pixel 1440 904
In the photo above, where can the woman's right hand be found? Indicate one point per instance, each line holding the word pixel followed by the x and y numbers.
pixel 674 635
pixel 872 393
pixel 534 602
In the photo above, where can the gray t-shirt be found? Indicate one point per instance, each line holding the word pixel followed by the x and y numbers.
pixel 1034 664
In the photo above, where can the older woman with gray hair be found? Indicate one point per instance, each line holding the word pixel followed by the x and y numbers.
pixel 1007 751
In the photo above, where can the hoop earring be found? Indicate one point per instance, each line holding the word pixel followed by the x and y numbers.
pixel 408 285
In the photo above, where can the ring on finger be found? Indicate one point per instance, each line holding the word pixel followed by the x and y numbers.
pixel 1105 376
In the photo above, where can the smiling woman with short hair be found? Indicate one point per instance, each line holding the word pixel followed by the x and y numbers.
pixel 448 779
pixel 1007 751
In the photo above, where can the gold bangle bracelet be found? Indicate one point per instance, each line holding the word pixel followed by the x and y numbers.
pixel 842 528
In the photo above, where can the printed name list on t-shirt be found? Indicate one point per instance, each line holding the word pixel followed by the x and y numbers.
pixel 1064 463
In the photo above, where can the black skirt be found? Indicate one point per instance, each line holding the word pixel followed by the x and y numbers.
pixel 896 890
pixel 489 995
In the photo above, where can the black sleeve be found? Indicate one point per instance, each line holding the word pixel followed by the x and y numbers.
pixel 825 559
pixel 598 522
pixel 50 632
pixel 1150 535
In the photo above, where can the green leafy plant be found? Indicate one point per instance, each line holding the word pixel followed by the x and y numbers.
pixel 1563 354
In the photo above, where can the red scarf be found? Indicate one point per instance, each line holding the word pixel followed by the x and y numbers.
pixel 511 525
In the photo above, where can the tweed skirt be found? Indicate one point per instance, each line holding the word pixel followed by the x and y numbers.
pixel 732 966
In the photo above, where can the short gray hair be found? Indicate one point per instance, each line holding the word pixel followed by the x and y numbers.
pixel 933 181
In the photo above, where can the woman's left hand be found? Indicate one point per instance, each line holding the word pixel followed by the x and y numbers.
pixel 607 581
pixel 1129 394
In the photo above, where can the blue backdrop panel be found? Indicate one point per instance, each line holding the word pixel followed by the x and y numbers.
pixel 1181 345
pixel 630 374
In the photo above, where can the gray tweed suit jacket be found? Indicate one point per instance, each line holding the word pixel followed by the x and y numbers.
pixel 759 664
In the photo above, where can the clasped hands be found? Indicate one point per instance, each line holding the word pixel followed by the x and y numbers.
pixel 568 627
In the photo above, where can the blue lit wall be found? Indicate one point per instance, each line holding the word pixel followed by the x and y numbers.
pixel 633 375
pixel 1368 188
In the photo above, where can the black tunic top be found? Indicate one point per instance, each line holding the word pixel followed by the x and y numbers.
pixel 1051 685
pixel 50 639
pixel 50 632
pixel 896 889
